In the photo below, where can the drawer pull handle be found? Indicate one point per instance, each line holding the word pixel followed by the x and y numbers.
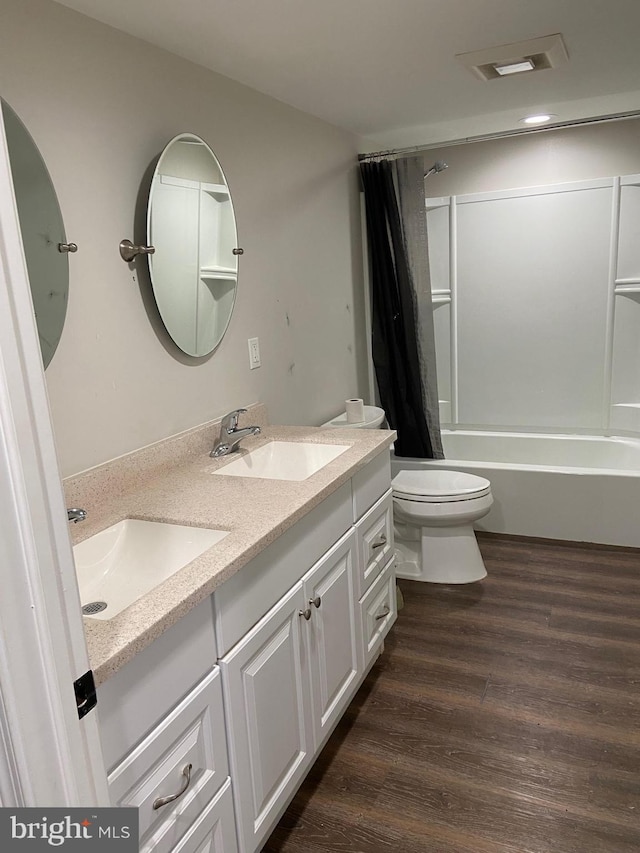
pixel 379 542
pixel 385 612
pixel 315 602
pixel 306 613
pixel 163 801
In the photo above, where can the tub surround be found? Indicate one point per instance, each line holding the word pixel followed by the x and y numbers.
pixel 172 481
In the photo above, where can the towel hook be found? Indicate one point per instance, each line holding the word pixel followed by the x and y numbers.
pixel 128 252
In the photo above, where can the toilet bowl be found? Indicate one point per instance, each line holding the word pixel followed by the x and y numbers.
pixel 433 513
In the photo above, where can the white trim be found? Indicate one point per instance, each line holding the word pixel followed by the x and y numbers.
pixel 433 202
pixel 50 756
pixel 453 317
pixel 610 315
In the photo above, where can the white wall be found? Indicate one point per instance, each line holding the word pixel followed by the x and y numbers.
pixel 100 106
pixel 550 157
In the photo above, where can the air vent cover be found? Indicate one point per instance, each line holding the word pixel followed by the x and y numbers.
pixel 532 55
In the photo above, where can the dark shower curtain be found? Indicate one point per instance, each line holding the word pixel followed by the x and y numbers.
pixel 394 344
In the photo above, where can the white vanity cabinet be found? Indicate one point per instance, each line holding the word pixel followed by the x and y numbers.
pixel 248 686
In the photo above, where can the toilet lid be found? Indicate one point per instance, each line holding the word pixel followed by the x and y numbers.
pixel 439 486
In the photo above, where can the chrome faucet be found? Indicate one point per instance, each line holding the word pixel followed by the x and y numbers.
pixel 230 435
pixel 76 515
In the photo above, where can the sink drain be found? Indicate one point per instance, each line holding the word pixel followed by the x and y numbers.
pixel 94 607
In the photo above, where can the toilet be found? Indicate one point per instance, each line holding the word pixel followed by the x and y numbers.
pixel 433 516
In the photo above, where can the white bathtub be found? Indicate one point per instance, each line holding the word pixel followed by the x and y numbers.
pixel 581 488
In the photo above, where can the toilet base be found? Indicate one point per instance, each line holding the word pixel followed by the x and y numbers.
pixel 439 554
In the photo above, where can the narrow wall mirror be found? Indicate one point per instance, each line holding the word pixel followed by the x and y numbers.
pixel 191 224
pixel 42 232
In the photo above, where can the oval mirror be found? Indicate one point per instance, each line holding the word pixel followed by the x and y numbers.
pixel 191 224
pixel 42 231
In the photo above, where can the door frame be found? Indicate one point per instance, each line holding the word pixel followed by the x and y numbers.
pixel 48 757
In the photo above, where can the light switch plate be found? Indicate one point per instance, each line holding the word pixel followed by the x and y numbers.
pixel 254 353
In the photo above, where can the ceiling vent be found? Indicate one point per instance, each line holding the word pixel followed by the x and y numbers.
pixel 522 57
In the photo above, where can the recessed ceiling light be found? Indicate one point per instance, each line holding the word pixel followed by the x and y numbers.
pixel 542 118
pixel 514 67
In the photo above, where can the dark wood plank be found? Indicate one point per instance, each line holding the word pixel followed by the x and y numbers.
pixel 492 814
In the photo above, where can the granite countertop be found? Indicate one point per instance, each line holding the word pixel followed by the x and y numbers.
pixel 254 511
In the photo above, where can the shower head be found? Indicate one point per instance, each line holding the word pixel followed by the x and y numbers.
pixel 438 166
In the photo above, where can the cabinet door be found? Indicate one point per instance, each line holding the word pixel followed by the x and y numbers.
pixel 266 687
pixel 333 646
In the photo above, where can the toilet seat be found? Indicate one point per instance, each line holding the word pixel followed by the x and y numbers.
pixel 439 486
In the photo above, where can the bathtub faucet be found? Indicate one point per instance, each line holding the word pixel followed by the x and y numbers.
pixel 230 435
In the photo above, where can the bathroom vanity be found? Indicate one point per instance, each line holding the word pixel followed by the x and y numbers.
pixel 229 706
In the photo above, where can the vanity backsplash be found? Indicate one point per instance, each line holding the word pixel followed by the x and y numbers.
pixel 98 485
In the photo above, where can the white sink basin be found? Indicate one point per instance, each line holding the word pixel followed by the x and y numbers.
pixel 124 562
pixel 283 460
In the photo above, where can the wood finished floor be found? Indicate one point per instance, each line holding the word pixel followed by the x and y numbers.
pixel 503 717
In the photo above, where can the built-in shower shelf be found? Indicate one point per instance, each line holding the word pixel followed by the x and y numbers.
pixel 213 271
pixel 627 287
pixel 220 191
pixel 441 297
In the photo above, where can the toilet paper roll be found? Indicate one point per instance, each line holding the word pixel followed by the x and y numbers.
pixel 355 411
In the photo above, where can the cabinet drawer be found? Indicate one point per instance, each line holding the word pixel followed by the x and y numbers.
pixel 192 734
pixel 214 831
pixel 375 542
pixel 379 611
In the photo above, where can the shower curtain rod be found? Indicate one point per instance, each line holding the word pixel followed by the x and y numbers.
pixel 418 149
